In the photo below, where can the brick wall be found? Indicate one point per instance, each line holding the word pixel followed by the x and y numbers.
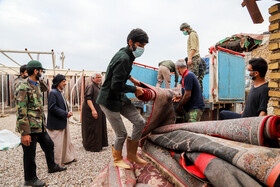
pixel 274 58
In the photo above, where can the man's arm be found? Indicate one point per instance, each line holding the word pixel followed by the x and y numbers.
pixel 134 81
pixel 185 99
pixel 119 77
pixel 93 111
pixel 262 113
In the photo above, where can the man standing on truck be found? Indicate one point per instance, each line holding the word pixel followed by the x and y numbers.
pixel 256 103
pixel 165 67
pixel 192 103
pixel 194 61
pixel 114 103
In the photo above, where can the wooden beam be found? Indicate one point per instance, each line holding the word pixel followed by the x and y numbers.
pixel 253 10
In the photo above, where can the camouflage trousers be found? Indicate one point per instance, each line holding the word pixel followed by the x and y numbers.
pixel 198 68
pixel 193 115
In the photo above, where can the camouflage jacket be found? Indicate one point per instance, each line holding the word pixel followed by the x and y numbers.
pixel 17 82
pixel 29 105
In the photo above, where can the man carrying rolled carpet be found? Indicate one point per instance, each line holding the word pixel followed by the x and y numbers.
pixel 114 103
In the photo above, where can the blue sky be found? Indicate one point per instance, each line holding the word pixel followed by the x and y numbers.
pixel 90 32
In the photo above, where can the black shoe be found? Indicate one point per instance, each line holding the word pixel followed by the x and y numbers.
pixel 34 182
pixel 57 168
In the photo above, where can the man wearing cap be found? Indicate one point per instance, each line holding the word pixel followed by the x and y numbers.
pixel 57 123
pixel 165 67
pixel 30 124
pixel 114 103
pixel 194 61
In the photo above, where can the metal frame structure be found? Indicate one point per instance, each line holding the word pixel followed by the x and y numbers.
pixel 4 52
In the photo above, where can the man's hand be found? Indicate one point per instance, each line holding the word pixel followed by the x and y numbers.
pixel 189 61
pixel 176 98
pixel 25 140
pixel 134 81
pixel 69 114
pixel 94 114
pixel 139 91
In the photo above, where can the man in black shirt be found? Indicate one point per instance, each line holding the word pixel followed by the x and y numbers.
pixel 256 103
pixel 114 103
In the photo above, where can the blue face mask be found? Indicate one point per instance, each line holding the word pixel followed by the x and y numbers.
pixel 185 33
pixel 138 51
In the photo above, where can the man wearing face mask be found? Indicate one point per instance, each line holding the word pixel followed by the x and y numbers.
pixel 194 61
pixel 256 103
pixel 114 103
pixel 31 125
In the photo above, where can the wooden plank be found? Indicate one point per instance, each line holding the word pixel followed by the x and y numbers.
pixel 274 17
pixel 273 84
pixel 273 46
pixel 273 66
pixel 274 75
pixel 254 11
pixel 272 93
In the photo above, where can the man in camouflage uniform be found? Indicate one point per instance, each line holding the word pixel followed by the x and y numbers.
pixel 201 71
pixel 23 75
pixel 30 124
pixel 194 60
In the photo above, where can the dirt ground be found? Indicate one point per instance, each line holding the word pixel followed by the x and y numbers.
pixel 78 173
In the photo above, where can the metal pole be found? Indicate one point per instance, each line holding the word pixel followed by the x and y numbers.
pixel 29 54
pixel 38 56
pixel 62 60
pixel 78 99
pixel 2 94
pixel 53 58
pixel 10 58
pixel 71 102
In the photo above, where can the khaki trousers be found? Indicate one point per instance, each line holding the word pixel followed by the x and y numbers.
pixel 163 74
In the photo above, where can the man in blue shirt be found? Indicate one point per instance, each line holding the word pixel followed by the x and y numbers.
pixel 191 102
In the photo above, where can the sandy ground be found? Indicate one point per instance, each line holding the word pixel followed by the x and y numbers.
pixel 79 173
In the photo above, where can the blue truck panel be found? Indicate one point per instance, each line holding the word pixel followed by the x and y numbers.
pixel 231 74
pixel 205 83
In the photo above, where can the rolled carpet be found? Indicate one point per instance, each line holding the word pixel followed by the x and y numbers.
pixel 254 130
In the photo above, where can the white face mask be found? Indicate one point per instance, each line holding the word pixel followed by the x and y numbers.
pixel 42 77
pixel 138 51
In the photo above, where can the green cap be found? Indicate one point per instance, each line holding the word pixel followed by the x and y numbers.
pixel 184 26
pixel 34 64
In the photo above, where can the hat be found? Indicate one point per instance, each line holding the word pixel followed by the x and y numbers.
pixel 34 64
pixel 57 79
pixel 184 26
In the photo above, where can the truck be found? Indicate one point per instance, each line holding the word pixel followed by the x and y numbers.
pixel 223 83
